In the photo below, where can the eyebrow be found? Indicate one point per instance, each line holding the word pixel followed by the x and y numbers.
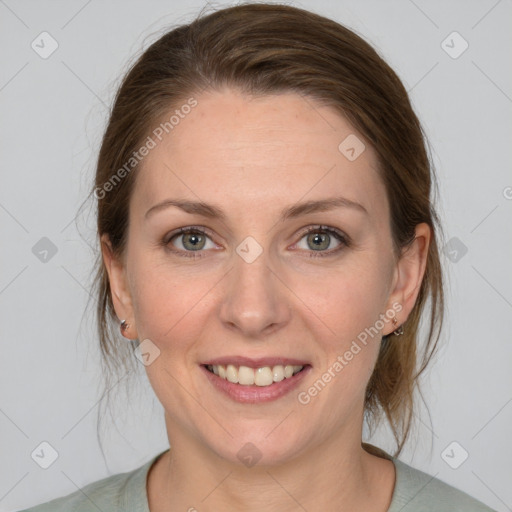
pixel 213 212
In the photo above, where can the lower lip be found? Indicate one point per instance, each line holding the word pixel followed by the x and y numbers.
pixel 256 394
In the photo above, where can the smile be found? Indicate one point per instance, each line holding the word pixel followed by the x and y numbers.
pixel 254 381
pixel 247 376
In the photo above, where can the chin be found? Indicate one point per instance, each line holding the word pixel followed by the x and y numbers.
pixel 255 446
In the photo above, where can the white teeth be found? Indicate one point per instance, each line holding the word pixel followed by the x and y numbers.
pixel 278 373
pixel 263 376
pixel 232 374
pixel 246 376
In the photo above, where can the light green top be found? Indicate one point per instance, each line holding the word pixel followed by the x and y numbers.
pixel 414 491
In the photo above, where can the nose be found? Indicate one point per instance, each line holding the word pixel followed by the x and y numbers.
pixel 255 299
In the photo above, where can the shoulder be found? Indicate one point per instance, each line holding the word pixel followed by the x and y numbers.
pixel 420 492
pixel 123 491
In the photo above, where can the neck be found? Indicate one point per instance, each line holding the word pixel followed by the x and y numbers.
pixel 340 472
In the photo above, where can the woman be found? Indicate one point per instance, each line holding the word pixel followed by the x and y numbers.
pixel 269 244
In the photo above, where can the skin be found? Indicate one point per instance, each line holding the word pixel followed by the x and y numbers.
pixel 252 157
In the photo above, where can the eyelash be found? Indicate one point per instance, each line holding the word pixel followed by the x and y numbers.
pixel 340 237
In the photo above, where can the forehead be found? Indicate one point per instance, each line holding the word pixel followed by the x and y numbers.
pixel 241 151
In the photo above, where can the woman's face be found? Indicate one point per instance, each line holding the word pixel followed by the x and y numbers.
pixel 286 261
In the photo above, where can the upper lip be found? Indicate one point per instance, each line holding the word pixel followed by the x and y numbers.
pixel 258 362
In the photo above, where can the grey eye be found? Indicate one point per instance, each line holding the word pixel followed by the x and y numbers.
pixel 191 241
pixel 318 241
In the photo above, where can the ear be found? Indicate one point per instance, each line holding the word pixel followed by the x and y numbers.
pixel 119 289
pixel 408 276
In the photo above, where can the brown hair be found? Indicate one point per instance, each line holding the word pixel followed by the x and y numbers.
pixel 264 49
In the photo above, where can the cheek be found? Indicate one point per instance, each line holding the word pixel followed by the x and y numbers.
pixel 347 301
pixel 170 307
pixel 167 301
pixel 348 305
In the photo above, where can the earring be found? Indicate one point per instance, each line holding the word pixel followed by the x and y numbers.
pixel 400 330
pixel 124 326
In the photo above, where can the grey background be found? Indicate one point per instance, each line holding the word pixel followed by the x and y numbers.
pixel 52 113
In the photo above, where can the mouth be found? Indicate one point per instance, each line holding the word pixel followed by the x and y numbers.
pixel 246 376
pixel 251 381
